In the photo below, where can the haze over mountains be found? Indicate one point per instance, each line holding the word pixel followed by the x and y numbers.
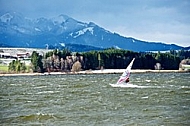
pixel 63 31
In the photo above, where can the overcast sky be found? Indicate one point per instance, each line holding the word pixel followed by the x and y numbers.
pixel 165 21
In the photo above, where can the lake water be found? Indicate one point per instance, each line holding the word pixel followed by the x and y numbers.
pixel 56 100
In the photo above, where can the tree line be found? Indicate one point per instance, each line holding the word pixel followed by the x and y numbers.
pixel 66 61
pixel 118 59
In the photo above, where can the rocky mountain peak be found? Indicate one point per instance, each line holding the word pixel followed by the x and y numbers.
pixel 17 30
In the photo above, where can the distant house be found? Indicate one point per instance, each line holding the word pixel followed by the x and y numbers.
pixel 185 67
pixel 5 55
pixel 23 55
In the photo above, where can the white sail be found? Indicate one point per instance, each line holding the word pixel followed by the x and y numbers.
pixel 126 73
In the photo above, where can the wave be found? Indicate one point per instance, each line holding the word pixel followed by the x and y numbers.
pixel 128 86
pixel 134 86
pixel 37 116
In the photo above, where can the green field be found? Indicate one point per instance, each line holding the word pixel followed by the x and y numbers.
pixel 3 68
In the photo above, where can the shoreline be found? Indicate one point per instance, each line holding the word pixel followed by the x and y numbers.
pixel 104 71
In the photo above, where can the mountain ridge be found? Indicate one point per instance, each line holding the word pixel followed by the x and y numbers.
pixel 19 31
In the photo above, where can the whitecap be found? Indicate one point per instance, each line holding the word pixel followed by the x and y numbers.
pixel 144 97
pixel 148 80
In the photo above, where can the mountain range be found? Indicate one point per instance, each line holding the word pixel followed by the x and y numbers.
pixel 65 32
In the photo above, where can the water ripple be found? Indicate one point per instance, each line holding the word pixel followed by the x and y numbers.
pixel 157 99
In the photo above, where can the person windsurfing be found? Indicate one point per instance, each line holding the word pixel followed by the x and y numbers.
pixel 127 80
pixel 124 78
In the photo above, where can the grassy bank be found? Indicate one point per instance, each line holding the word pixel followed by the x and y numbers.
pixel 3 68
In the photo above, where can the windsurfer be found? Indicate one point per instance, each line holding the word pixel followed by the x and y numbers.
pixel 127 80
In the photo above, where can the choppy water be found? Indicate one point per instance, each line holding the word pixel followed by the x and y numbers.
pixel 160 99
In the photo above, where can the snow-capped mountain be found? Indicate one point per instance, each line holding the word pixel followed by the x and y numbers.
pixel 19 31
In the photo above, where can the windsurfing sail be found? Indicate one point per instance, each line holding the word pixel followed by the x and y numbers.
pixel 126 73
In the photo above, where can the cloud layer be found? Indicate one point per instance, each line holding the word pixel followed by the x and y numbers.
pixel 156 20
